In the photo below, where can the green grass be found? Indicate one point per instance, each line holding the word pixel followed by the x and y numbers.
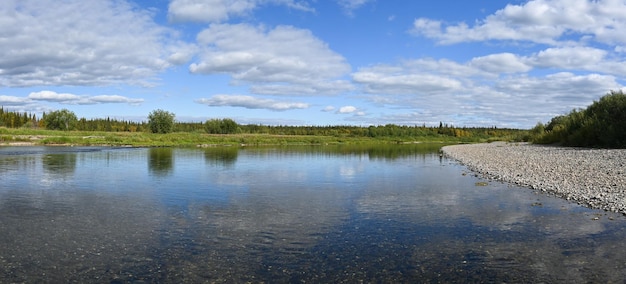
pixel 195 139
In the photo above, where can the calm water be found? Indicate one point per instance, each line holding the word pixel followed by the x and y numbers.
pixel 296 214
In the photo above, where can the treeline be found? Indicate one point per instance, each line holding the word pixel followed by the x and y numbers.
pixel 13 119
pixel 600 125
pixel 388 130
pixel 66 120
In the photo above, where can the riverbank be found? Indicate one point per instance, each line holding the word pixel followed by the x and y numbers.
pixel 31 137
pixel 178 139
pixel 595 178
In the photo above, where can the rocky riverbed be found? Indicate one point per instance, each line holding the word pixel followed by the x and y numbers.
pixel 594 178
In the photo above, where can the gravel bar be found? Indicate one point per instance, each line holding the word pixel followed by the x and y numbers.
pixel 591 177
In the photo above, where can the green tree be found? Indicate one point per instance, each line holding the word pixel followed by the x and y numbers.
pixel 607 120
pixel 160 121
pixel 229 126
pixel 602 124
pixel 60 120
pixel 221 126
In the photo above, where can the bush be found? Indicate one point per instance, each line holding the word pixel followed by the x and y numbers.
pixel 607 120
pixel 60 120
pixel 602 124
pixel 221 126
pixel 160 121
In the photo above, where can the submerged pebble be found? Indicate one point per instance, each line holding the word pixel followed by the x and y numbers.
pixel 591 177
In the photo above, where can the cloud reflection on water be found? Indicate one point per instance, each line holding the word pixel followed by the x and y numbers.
pixel 270 213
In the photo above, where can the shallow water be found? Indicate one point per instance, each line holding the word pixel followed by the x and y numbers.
pixel 397 213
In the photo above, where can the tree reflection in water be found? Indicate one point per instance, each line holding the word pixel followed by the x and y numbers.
pixel 160 161
pixel 62 163
pixel 221 156
pixel 315 214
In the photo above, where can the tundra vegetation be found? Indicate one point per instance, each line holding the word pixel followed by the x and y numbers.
pixel 600 125
pixel 161 129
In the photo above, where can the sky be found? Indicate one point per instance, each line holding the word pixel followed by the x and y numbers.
pixel 480 63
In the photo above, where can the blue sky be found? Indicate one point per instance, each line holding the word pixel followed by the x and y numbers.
pixel 312 62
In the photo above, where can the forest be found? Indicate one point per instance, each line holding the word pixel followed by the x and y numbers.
pixel 67 121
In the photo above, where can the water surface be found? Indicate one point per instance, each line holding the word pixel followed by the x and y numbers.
pixel 396 213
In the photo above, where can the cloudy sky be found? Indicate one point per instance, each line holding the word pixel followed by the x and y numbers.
pixel 311 62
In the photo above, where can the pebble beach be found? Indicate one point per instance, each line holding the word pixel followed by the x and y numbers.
pixel 595 178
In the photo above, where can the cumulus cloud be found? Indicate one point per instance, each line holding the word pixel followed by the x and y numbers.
pixel 404 79
pixel 212 11
pixel 72 99
pixel 283 60
pixel 501 63
pixel 569 58
pixel 53 96
pixel 181 52
pixel 496 89
pixel 13 101
pixel 347 109
pixel 78 42
pixel 540 21
pixel 559 89
pixel 564 67
pixel 315 88
pixel 251 102
pixel 350 110
pixel 207 10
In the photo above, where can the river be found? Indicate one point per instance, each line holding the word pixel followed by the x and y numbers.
pixel 314 214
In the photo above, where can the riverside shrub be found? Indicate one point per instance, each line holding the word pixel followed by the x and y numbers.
pixel 161 121
pixel 600 125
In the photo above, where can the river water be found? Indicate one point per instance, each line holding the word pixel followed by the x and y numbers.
pixel 314 214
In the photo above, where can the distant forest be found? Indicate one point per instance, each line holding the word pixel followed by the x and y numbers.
pixel 12 119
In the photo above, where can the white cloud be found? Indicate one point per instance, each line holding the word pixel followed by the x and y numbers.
pixel 579 89
pixel 444 67
pixel 78 42
pixel 351 110
pixel 213 11
pixel 384 80
pixel 500 63
pixel 328 109
pixel 251 102
pixel 427 27
pixel 569 58
pixel 53 96
pixel 314 88
pixel 114 99
pixel 350 5
pixel 208 10
pixel 540 21
pixel 347 109
pixel 276 61
pixel 181 52
pixel 72 99
pixel 13 101
pixel 469 94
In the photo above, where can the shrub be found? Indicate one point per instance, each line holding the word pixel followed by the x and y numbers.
pixel 602 124
pixel 60 120
pixel 221 126
pixel 160 121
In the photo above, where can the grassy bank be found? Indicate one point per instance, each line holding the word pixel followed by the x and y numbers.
pixel 10 136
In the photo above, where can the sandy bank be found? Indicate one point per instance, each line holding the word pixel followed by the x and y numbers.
pixel 591 177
